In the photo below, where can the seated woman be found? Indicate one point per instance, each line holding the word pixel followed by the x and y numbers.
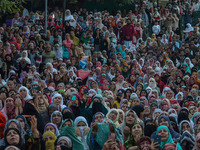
pixel 166 137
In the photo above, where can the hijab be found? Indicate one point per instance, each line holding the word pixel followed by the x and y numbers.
pixel 54 126
pixel 61 103
pixel 117 118
pixel 27 128
pixel 70 132
pixel 169 140
pixel 28 95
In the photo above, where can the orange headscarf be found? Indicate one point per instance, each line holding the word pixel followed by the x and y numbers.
pixel 2 123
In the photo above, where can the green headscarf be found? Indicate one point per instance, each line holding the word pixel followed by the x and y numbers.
pixel 130 141
pixel 102 134
pixel 187 69
pixel 70 132
pixel 85 40
pixel 169 140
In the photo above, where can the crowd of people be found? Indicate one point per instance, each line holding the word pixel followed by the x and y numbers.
pixel 101 81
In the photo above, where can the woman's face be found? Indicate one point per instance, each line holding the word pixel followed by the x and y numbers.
pixel 57 100
pixel 21 122
pixel 99 118
pixel 130 118
pixel 81 124
pixel 56 119
pixel 164 134
pixel 172 112
pixel 40 100
pixel 143 93
pixel 125 108
pixel 185 126
pixel 164 122
pixel 12 137
pixel 63 142
pixel 67 123
pixel 113 115
pixel 9 102
pixel 136 102
pixel 23 93
pixel 137 130
pixel 169 95
pixel 193 110
pixel 50 128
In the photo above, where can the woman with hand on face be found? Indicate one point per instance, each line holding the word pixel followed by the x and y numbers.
pixel 127 125
pixel 166 138
pixel 68 129
pixel 49 138
pixel 134 137
pixel 82 130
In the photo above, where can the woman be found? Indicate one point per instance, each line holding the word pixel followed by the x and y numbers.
pixel 68 43
pixel 134 137
pixel 13 137
pixel 64 142
pixel 68 129
pixel 25 93
pixel 101 134
pixel 53 128
pixel 25 126
pixel 113 115
pixel 24 57
pixel 82 130
pixel 98 117
pixel 9 108
pixel 97 105
pixel 164 120
pixel 129 119
pixel 166 137
pixel 56 118
pixel 49 138
pixel 58 99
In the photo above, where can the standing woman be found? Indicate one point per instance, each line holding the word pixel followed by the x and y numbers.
pixel 97 39
pixel 68 43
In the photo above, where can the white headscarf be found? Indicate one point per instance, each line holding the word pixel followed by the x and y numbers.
pixel 61 103
pixel 190 64
pixel 73 24
pixel 28 95
pixel 152 84
pixel 26 57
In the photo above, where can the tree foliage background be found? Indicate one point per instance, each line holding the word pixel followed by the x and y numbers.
pixel 10 7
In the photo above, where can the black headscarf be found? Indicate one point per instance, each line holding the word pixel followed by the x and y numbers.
pixel 149 129
pixel 29 109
